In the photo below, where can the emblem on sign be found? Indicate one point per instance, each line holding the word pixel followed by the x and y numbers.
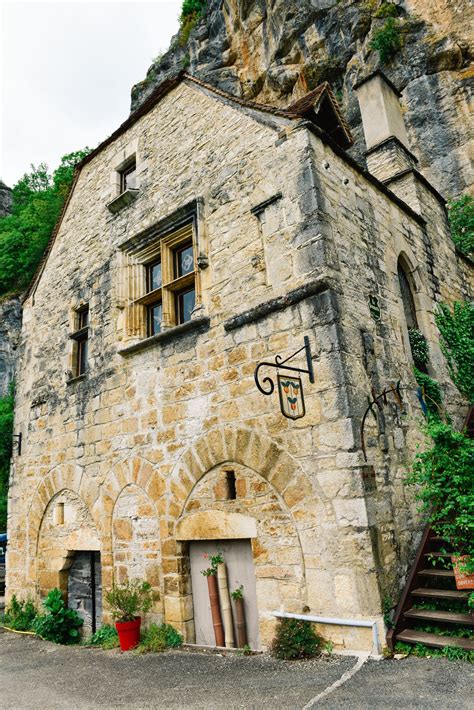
pixel 290 390
pixel 374 307
pixel 290 386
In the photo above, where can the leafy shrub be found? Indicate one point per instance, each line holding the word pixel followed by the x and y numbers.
pixel 457 343
pixel 419 348
pixel 461 221
pixel 158 638
pixel 431 392
pixel 129 600
pixel 387 40
pixel 191 13
pixel 6 440
pixel 443 475
pixel 386 9
pixel 296 638
pixel 105 637
pixel 20 615
pixel 59 624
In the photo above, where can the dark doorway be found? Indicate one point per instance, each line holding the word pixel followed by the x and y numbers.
pixel 85 588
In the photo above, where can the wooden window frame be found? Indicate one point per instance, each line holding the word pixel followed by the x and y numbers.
pixel 124 172
pixel 80 339
pixel 162 249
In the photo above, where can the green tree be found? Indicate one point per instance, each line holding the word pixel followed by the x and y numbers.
pixel 37 200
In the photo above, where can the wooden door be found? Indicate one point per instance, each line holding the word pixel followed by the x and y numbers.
pixel 238 558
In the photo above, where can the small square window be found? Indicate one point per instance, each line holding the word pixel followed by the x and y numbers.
pixel 128 177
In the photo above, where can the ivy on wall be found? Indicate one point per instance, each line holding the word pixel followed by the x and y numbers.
pixel 461 221
pixel 6 435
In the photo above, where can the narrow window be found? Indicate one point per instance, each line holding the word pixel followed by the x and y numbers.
pixel 59 514
pixel 128 177
pixel 185 299
pixel 81 341
pixel 231 490
pixel 154 308
pixel 407 298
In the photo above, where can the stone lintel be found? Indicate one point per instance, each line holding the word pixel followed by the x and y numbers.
pixel 216 525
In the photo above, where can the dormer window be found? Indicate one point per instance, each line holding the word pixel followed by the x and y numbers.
pixel 128 177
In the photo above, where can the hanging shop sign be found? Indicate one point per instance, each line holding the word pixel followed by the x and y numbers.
pixel 290 386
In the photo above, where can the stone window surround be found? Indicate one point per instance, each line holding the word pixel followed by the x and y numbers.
pixel 138 251
pixel 72 352
pixel 128 154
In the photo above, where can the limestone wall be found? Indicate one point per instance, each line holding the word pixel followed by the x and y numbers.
pixel 10 328
pixel 144 436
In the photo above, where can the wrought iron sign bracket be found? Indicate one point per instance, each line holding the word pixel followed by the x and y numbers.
pixel 267 385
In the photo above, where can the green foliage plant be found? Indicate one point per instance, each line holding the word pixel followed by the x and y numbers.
pixel 191 13
pixel 450 652
pixel 106 637
pixel 238 593
pixel 461 222
pixel 128 601
pixel 215 560
pixel 419 348
pixel 296 638
pixel 386 9
pixel 59 624
pixel 37 201
pixel 443 476
pixel 456 327
pixel 431 393
pixel 158 638
pixel 20 614
pixel 6 441
pixel 387 41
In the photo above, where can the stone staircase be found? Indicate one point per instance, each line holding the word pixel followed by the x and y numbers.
pixel 431 584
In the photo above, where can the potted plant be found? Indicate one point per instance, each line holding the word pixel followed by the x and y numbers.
pixel 210 574
pixel 240 621
pixel 126 603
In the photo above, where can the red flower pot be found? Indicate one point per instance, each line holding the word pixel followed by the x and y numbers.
pixel 128 633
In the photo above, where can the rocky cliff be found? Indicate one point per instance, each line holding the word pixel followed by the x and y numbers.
pixel 274 51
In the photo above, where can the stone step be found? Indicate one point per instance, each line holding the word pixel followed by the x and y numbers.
pixel 411 636
pixel 440 593
pixel 449 617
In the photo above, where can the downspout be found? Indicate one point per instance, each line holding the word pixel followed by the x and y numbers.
pixel 339 622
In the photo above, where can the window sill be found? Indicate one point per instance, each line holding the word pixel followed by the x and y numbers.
pixel 197 325
pixel 79 378
pixel 126 198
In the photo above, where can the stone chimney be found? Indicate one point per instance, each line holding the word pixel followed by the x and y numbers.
pixel 388 156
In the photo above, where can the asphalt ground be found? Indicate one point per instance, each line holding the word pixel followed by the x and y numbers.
pixel 41 675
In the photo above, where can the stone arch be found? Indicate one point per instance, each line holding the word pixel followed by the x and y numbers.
pixel 64 477
pixel 136 549
pixel 137 471
pixel 266 461
pixel 60 536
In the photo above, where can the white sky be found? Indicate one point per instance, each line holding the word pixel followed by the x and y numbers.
pixel 66 71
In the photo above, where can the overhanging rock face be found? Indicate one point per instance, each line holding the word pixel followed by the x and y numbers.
pixel 276 52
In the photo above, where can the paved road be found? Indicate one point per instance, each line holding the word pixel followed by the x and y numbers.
pixel 35 674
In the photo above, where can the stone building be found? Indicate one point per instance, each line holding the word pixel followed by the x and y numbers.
pixel 207 234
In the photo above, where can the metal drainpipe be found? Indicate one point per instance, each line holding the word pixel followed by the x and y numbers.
pixel 339 622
